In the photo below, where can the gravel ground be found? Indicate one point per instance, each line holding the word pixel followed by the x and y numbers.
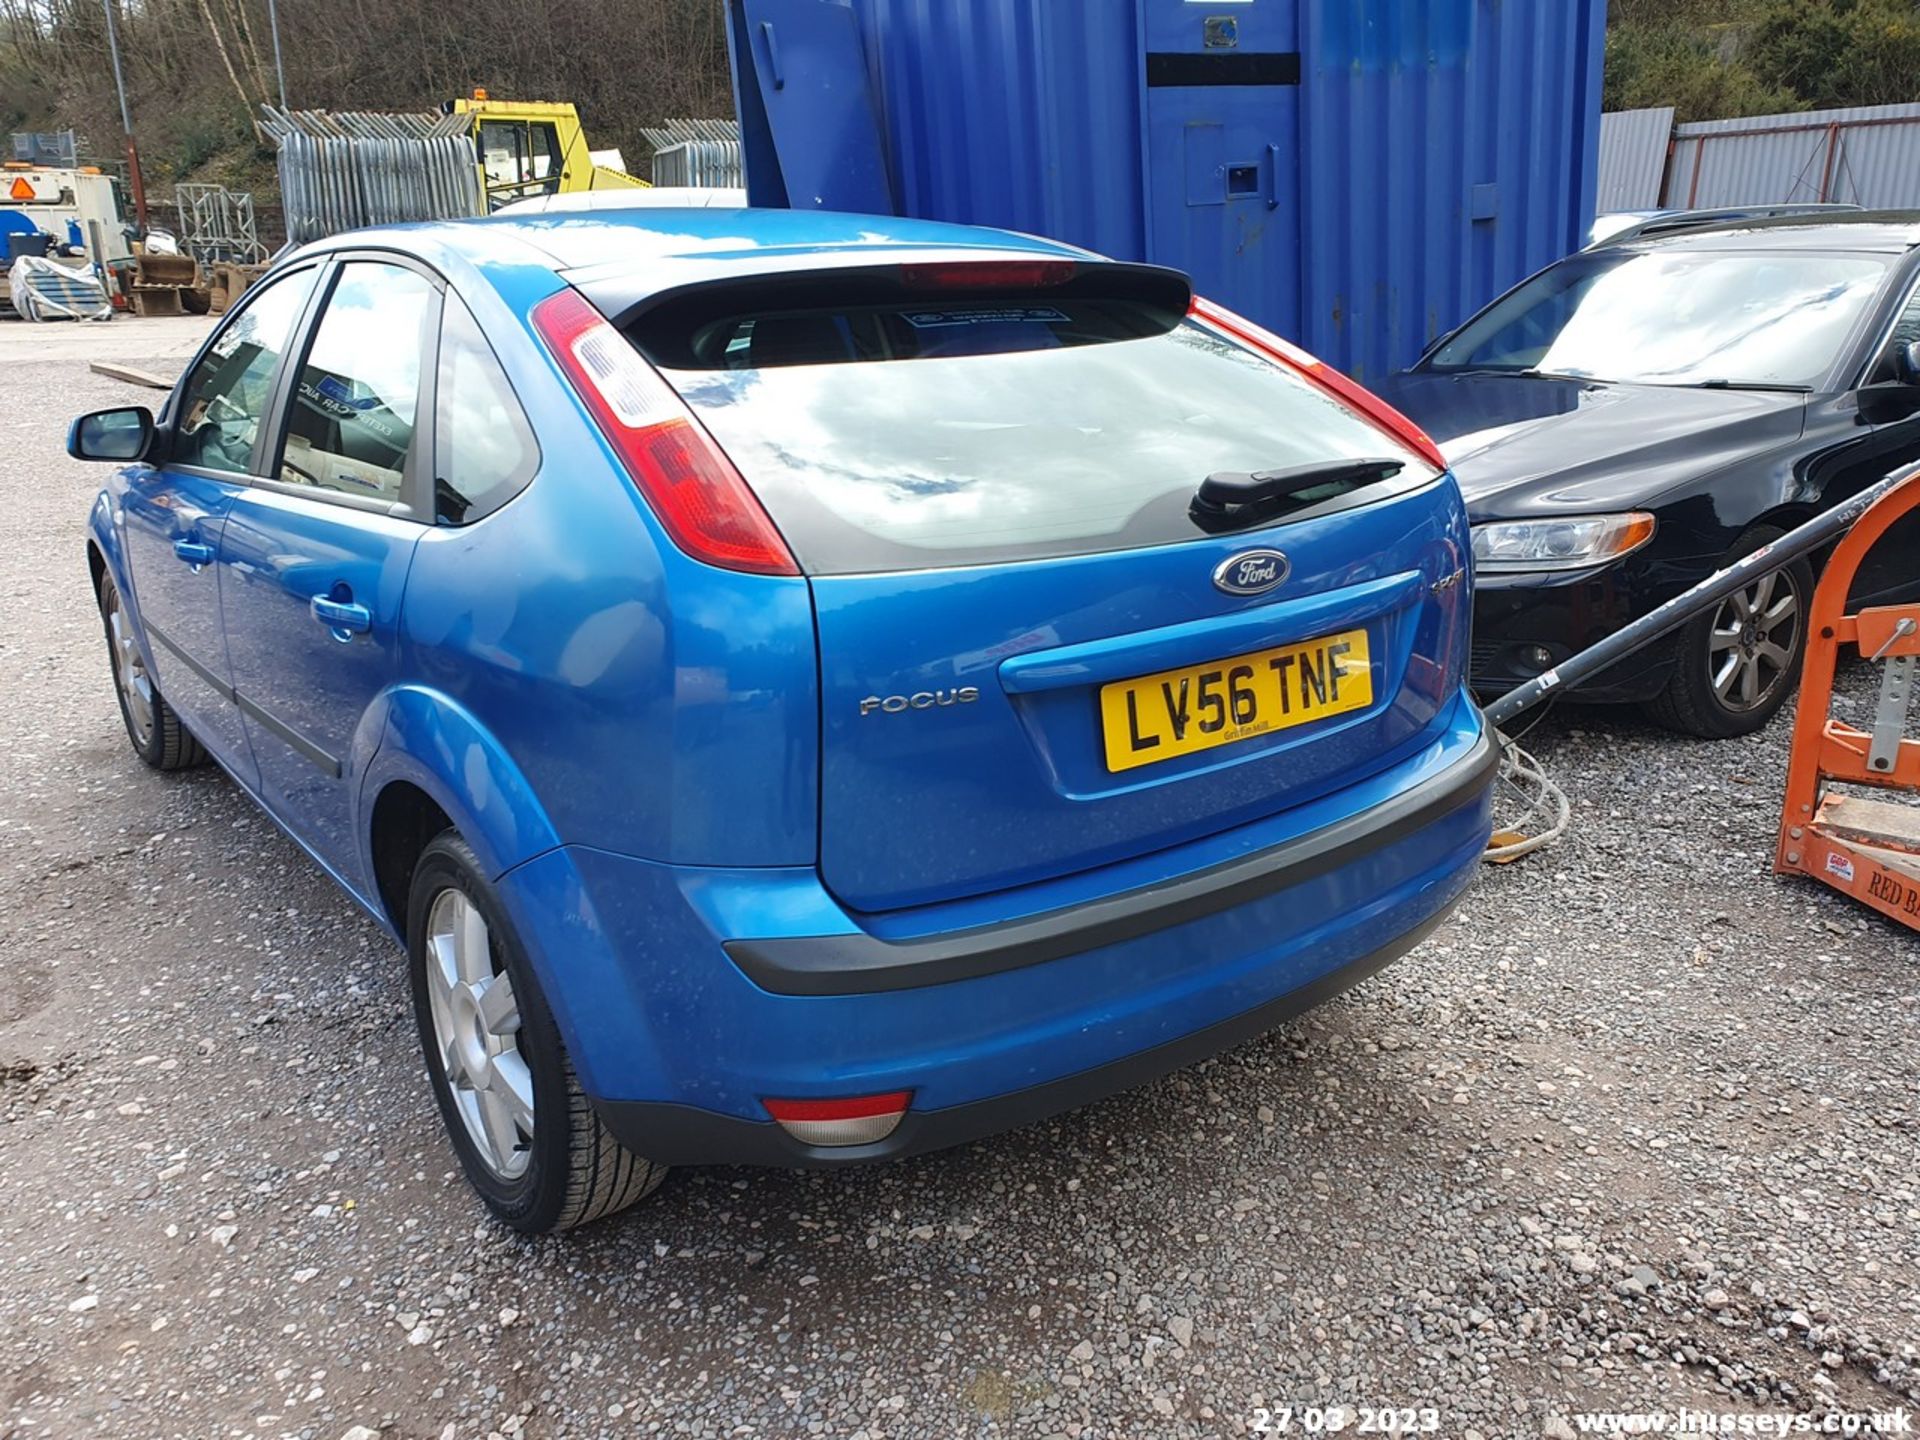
pixel 1636 1130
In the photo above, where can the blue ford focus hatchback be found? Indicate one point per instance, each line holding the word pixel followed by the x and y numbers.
pixel 803 688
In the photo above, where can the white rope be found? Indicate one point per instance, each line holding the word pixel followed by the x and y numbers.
pixel 1524 782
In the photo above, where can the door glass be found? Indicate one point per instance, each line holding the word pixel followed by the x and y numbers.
pixel 546 154
pixel 503 152
pixel 486 448
pixel 350 425
pixel 229 390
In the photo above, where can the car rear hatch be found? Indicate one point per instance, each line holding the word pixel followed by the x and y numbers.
pixel 1038 655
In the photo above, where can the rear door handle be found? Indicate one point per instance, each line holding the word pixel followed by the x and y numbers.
pixel 193 552
pixel 343 617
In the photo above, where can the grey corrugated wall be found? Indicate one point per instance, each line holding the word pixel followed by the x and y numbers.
pixel 1633 158
pixel 1867 155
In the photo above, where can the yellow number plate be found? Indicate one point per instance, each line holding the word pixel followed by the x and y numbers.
pixel 1156 717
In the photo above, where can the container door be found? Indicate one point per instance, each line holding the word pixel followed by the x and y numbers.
pixel 812 141
pixel 1223 137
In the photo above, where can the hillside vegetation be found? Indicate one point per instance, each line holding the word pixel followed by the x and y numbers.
pixel 1713 59
pixel 197 70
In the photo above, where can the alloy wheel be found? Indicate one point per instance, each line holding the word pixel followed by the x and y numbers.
pixel 1755 636
pixel 130 671
pixel 476 1026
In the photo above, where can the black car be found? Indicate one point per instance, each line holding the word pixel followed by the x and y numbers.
pixel 1634 416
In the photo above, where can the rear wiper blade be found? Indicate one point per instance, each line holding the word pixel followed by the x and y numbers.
pixel 1235 499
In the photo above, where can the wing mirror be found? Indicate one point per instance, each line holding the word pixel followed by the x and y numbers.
pixel 123 435
pixel 1906 363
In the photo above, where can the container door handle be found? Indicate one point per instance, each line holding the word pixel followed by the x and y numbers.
pixel 193 552
pixel 344 618
pixel 1273 177
pixel 773 55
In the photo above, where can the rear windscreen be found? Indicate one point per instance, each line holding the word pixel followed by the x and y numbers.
pixel 966 430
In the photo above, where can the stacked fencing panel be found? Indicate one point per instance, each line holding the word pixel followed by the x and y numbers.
pixel 698 162
pixel 344 170
pixel 695 152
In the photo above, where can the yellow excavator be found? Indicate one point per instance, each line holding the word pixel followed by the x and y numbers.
pixel 535 147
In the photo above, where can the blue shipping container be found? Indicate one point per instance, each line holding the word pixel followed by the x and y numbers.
pixel 1360 175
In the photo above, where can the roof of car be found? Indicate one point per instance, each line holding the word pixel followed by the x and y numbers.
pixel 578 240
pixel 623 258
pixel 1878 231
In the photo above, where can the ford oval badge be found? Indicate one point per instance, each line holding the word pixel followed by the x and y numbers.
pixel 1252 572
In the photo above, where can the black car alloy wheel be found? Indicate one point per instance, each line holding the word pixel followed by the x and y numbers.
pixel 1736 665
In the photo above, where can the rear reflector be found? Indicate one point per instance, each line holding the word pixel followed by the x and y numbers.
pixel 987 274
pixel 1357 398
pixel 861 1120
pixel 706 506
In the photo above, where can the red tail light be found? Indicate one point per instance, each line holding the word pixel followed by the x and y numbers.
pixel 1355 397
pixel 987 274
pixel 702 500
pixel 857 1120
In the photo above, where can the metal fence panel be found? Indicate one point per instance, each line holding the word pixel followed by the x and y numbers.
pixel 1633 158
pixel 678 132
pixel 1865 155
pixel 698 162
pixel 344 170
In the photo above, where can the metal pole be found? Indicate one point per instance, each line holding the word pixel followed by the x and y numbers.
pixel 1676 612
pixel 126 122
pixel 279 70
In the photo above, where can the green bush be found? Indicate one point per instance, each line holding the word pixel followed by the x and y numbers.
pixel 1712 59
pixel 1836 53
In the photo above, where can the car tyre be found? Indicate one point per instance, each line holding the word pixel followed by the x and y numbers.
pixel 1737 663
pixel 528 1137
pixel 154 730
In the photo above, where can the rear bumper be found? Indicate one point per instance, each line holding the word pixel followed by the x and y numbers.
pixel 989 1025
pixel 863 963
pixel 682 1135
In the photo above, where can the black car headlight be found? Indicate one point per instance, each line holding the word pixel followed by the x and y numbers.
pixel 1563 543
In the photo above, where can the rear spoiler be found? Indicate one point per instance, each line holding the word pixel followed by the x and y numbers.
pixel 624 294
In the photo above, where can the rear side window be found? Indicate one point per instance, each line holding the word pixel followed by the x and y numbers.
pixel 485 451
pixel 966 431
pixel 350 425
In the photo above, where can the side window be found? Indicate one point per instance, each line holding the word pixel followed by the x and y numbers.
pixel 503 152
pixel 351 420
pixel 486 451
pixel 227 394
pixel 1905 331
pixel 546 155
